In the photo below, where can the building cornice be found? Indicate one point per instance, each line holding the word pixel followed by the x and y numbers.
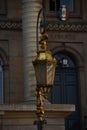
pixel 11 25
pixel 51 26
pixel 67 26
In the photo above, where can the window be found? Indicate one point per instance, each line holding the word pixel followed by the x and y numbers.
pixel 1 82
pixel 74 6
pixel 68 3
pixel 56 4
pixel 2 7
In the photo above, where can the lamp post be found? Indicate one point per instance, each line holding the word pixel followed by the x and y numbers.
pixel 44 65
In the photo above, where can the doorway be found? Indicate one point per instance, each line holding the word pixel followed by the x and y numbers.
pixel 65 90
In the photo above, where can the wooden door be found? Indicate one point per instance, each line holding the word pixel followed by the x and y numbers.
pixel 65 90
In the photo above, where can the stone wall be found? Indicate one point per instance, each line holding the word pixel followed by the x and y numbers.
pixel 22 117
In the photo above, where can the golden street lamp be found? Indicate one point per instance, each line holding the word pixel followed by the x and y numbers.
pixel 44 65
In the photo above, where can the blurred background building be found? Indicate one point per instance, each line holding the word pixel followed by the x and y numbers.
pixel 68 42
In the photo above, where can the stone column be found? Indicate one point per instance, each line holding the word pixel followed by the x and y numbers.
pixel 30 12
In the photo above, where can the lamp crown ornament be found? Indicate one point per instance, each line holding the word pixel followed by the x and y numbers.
pixel 42 41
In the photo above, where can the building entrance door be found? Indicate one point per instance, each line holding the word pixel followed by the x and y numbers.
pixel 65 90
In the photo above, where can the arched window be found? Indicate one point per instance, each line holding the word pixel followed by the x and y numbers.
pixel 1 82
pixel 65 81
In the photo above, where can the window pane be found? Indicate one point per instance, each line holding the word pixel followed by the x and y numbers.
pixel 52 5
pixel 2 7
pixel 68 3
pixel 55 4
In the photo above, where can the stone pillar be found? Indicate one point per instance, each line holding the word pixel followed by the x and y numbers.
pixel 30 12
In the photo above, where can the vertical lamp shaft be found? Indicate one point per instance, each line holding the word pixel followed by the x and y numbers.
pixel 40 108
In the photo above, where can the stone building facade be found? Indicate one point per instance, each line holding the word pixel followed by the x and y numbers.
pixel 11 51
pixel 18 49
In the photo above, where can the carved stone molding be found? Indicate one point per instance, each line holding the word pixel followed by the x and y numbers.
pixel 66 26
pixel 11 25
pixel 51 26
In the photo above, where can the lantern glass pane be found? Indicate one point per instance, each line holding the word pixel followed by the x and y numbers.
pixel 40 72
pixel 50 73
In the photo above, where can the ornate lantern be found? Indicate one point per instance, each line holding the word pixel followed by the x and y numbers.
pixel 44 66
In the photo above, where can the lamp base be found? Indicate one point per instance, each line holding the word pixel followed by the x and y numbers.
pixel 40 124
